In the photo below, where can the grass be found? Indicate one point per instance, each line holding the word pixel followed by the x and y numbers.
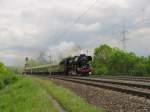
pixel 69 100
pixel 25 96
pixel 31 94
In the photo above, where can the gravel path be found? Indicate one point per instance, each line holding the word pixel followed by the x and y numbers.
pixel 112 101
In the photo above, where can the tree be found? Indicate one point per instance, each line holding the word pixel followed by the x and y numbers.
pixel 101 59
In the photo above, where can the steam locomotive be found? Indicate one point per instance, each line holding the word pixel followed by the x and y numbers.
pixel 77 65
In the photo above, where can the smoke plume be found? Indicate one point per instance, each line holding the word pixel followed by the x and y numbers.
pixel 63 50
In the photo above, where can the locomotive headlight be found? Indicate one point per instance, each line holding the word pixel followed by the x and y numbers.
pixel 90 73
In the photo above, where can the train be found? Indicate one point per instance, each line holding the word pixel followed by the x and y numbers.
pixel 76 65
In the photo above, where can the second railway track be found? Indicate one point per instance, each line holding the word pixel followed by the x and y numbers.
pixel 135 88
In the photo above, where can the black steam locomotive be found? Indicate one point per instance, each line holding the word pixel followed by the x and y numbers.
pixel 77 65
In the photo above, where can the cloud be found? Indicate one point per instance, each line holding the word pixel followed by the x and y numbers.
pixel 87 28
pixel 28 27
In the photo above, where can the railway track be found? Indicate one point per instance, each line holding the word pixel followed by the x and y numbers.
pixel 140 89
pixel 129 78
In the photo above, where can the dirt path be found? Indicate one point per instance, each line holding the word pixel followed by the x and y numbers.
pixel 56 104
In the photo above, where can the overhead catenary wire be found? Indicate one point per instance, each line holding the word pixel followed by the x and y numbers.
pixel 68 29
pixel 79 2
pixel 132 27
pixel 136 27
pixel 124 20
pixel 128 28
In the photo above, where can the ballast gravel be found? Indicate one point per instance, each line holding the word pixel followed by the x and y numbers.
pixel 111 101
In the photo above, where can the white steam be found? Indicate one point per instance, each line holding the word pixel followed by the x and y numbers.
pixel 63 50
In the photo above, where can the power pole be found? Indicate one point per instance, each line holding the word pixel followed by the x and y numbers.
pixel 124 39
pixel 50 59
pixel 26 62
pixel 143 13
pixel 26 65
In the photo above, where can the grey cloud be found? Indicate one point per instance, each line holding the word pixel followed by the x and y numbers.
pixel 30 26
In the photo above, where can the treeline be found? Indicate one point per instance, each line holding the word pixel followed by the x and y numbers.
pixel 113 61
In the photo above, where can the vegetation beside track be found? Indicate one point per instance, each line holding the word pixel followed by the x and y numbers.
pixel 113 61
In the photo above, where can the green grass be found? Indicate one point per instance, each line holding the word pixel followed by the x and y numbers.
pixel 69 100
pixel 32 94
pixel 25 96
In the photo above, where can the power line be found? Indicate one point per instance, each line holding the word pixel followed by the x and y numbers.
pixel 142 10
pixel 128 29
pixel 68 29
pixel 79 2
pixel 139 23
pixel 129 15
pixel 124 31
pixel 131 27
pixel 124 39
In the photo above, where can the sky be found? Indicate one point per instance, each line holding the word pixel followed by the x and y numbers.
pixel 28 27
